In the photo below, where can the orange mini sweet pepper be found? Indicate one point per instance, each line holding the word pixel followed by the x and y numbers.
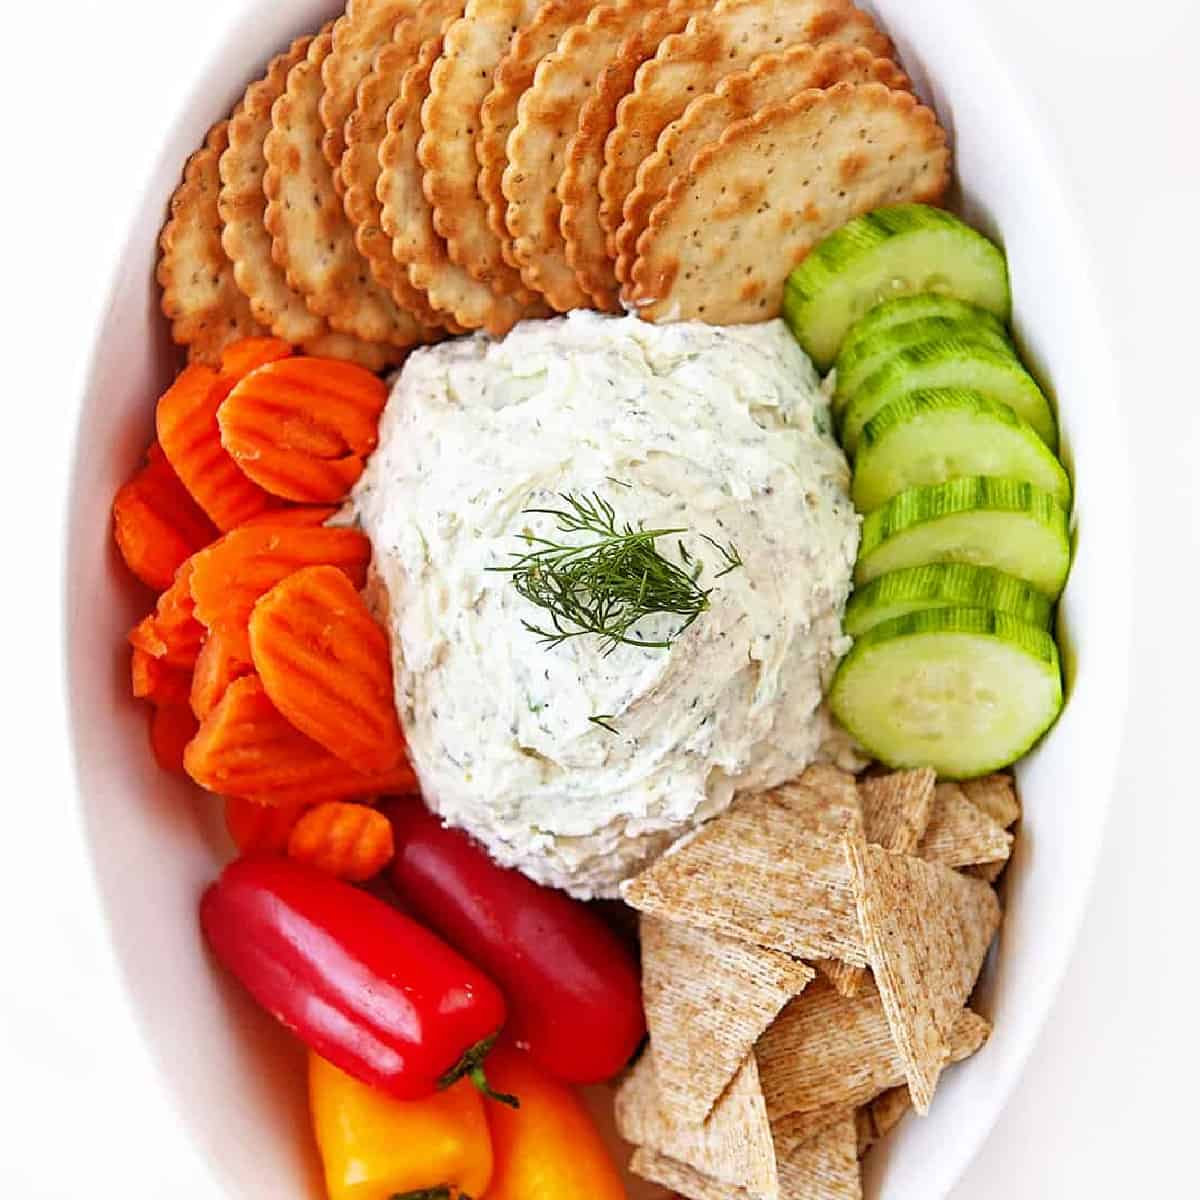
pixel 377 1148
pixel 549 1148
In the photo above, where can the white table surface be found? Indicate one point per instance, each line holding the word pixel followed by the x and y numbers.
pixel 87 89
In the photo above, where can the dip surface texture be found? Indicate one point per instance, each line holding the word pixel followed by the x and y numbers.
pixel 721 431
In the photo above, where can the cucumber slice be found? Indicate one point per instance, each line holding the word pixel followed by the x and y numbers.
pixel 932 436
pixel 944 585
pixel 963 690
pixel 898 251
pixel 857 364
pixel 1001 523
pixel 951 362
pixel 917 308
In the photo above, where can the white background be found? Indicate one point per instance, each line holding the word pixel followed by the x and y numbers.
pixel 87 90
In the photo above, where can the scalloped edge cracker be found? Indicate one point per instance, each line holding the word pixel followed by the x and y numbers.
pixel 927 930
pixel 200 296
pixel 770 79
pixel 720 244
pixel 769 870
pixel 707 1000
pixel 312 238
pixel 960 834
pixel 625 37
pixel 734 1146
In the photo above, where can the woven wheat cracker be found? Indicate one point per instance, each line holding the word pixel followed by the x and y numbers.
pixel 498 113
pixel 823 1168
pixel 312 238
pixel 770 79
pixel 621 37
pixel 451 119
pixel 200 297
pixel 693 62
pixel 365 129
pixel 707 1000
pixel 927 929
pixel 242 204
pixel 720 244
pixel 358 36
pixel 407 216
pixel 897 808
pixel 876 1120
pixel 960 834
pixel 996 795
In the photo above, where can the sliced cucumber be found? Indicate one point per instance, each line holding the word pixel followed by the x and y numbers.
pixel 898 251
pixel 950 363
pixel 932 436
pixel 963 690
pixel 1001 523
pixel 944 585
pixel 855 367
pixel 908 309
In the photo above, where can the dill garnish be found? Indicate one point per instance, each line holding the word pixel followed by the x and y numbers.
pixel 604 720
pixel 607 584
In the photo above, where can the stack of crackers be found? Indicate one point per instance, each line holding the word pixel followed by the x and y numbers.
pixel 421 168
pixel 807 959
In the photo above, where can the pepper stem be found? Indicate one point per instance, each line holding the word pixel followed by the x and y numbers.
pixel 435 1193
pixel 470 1066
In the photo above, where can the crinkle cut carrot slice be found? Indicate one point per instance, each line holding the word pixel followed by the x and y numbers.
pixel 260 828
pixel 231 574
pixel 347 840
pixel 156 523
pixel 186 420
pixel 247 748
pixel 172 727
pixel 157 680
pixel 171 632
pixel 239 358
pixel 296 514
pixel 326 664
pixel 302 427
pixel 216 669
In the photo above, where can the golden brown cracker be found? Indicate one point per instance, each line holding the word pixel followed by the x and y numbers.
pixel 825 1167
pixel 877 1119
pixel 693 62
pixel 200 297
pixel 734 1146
pixel 996 795
pixel 365 129
pixel 707 1000
pixel 897 808
pixel 927 929
pixel 622 37
pixel 498 113
pixel 680 1179
pixel 960 834
pixel 720 244
pixel 451 119
pixel 312 239
pixel 407 216
pixel 770 79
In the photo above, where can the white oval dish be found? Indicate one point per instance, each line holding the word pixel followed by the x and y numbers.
pixel 155 842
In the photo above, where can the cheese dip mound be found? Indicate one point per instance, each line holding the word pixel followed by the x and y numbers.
pixel 720 433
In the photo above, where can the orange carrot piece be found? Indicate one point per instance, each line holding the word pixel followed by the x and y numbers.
pixel 216 669
pixel 230 575
pixel 172 632
pixel 248 354
pixel 326 664
pixel 302 427
pixel 294 515
pixel 350 841
pixel 260 828
pixel 172 727
pixel 156 523
pixel 157 680
pixel 190 438
pixel 246 747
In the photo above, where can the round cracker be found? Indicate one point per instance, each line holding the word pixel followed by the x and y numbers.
pixel 621 41
pixel 692 63
pixel 407 215
pixel 451 119
pixel 358 35
pixel 720 244
pixel 312 238
pixel 498 113
pixel 200 297
pixel 365 130
pixel 242 205
pixel 771 78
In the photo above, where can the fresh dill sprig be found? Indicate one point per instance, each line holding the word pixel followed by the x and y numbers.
pixel 608 583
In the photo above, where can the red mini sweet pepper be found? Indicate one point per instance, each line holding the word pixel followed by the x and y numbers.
pixel 361 984
pixel 572 986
